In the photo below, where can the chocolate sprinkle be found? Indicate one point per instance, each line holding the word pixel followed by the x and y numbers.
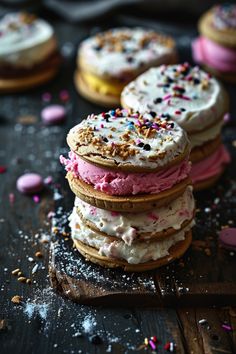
pixel 157 100
pixel 147 147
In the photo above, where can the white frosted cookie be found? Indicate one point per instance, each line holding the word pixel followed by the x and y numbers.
pixel 25 40
pixel 188 95
pixel 117 52
pixel 124 140
pixel 129 226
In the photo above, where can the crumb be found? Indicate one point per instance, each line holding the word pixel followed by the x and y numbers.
pixel 16 299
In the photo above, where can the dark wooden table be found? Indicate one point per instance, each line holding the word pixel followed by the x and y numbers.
pixel 45 322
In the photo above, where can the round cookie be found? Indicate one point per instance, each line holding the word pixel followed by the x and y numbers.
pixel 128 141
pixel 22 84
pixel 224 76
pixel 135 204
pixel 192 98
pixel 186 94
pixel 201 152
pixel 109 60
pixel 215 48
pixel 28 52
pixel 219 24
pixel 91 254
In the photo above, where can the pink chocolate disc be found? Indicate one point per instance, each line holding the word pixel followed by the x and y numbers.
pixel 227 238
pixel 29 183
pixel 53 114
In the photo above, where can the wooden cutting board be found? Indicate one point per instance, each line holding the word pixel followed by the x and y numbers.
pixel 206 275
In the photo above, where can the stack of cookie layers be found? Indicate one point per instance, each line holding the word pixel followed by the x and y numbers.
pixel 134 206
pixel 109 60
pixel 215 48
pixel 197 102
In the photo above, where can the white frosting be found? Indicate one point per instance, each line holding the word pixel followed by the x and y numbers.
pixel 23 44
pixel 205 136
pixel 202 102
pixel 112 61
pixel 139 252
pixel 165 142
pixel 127 226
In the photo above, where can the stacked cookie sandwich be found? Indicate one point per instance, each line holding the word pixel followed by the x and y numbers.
pixel 109 60
pixel 29 54
pixel 215 49
pixel 197 102
pixel 134 207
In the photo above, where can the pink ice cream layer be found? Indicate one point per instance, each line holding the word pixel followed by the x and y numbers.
pixel 211 166
pixel 213 54
pixel 122 183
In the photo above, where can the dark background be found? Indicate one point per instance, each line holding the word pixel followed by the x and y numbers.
pixel 45 322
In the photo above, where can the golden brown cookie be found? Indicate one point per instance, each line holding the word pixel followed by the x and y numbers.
pixel 213 25
pixel 175 252
pixel 208 183
pixel 201 152
pixel 224 76
pixel 135 203
pixel 21 84
pixel 109 60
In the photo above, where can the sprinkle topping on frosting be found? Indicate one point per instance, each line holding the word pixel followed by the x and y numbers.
pixel 21 31
pixel 117 51
pixel 186 94
pixel 128 138
pixel 224 16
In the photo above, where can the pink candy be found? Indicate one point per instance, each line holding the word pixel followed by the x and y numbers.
pixel 30 183
pixel 227 238
pixel 53 114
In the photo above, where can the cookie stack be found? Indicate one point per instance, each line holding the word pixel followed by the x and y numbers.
pixel 29 54
pixel 215 49
pixel 109 60
pixel 134 207
pixel 197 102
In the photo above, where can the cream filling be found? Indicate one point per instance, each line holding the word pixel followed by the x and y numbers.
pixel 140 252
pixel 199 139
pixel 128 226
pixel 25 45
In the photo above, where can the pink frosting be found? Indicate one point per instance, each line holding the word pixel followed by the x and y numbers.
pixel 211 166
pixel 213 54
pixel 121 183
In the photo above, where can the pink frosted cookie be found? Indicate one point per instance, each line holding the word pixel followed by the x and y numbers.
pixel 216 46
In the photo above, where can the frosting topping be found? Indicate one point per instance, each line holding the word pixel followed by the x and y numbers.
pixel 117 51
pixel 25 39
pixel 122 138
pixel 189 96
pixel 128 226
pixel 224 16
